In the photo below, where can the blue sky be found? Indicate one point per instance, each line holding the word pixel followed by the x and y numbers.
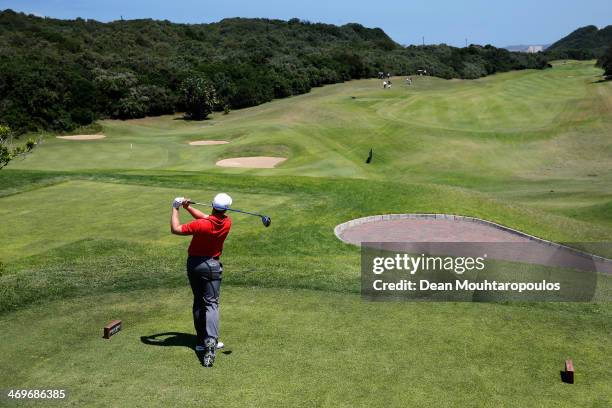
pixel 480 21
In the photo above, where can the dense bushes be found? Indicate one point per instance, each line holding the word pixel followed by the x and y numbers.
pixel 59 74
pixel 9 151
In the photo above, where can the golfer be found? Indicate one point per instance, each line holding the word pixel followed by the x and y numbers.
pixel 204 267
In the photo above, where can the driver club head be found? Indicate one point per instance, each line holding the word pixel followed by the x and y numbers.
pixel 266 221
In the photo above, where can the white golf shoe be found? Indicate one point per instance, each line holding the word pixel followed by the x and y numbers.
pixel 220 345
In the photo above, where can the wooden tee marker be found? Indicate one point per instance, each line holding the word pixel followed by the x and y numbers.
pixel 112 328
pixel 568 375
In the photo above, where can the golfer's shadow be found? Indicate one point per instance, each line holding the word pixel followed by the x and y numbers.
pixel 175 339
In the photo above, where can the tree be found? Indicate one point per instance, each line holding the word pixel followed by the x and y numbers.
pixel 199 97
pixel 606 63
pixel 134 105
pixel 7 151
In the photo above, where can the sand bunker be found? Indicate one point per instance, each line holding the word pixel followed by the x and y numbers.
pixel 82 137
pixel 208 142
pixel 258 162
pixel 434 228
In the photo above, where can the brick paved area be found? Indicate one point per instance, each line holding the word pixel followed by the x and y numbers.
pixel 448 228
pixel 427 230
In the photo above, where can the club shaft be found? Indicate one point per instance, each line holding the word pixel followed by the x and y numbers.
pixel 228 209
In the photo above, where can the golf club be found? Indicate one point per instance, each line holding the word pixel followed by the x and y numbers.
pixel 264 218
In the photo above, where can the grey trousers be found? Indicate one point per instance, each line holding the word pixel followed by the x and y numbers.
pixel 205 278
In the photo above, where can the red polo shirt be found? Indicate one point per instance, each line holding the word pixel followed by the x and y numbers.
pixel 208 235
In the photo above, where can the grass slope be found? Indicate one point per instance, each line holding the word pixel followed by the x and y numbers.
pixel 88 241
pixel 305 348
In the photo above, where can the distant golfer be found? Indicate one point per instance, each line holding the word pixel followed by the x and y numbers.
pixel 204 267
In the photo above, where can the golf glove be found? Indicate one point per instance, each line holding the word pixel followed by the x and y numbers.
pixel 178 202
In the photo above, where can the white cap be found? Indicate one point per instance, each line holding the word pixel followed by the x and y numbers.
pixel 222 202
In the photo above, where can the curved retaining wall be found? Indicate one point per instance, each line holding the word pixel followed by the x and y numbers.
pixel 390 217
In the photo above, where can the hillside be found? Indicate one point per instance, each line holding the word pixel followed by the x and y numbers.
pixel 60 74
pixel 87 241
pixel 585 43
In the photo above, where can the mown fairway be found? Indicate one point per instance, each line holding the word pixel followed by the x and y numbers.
pixel 86 240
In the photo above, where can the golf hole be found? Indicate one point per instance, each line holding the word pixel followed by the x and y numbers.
pixel 257 162
pixel 82 137
pixel 208 142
